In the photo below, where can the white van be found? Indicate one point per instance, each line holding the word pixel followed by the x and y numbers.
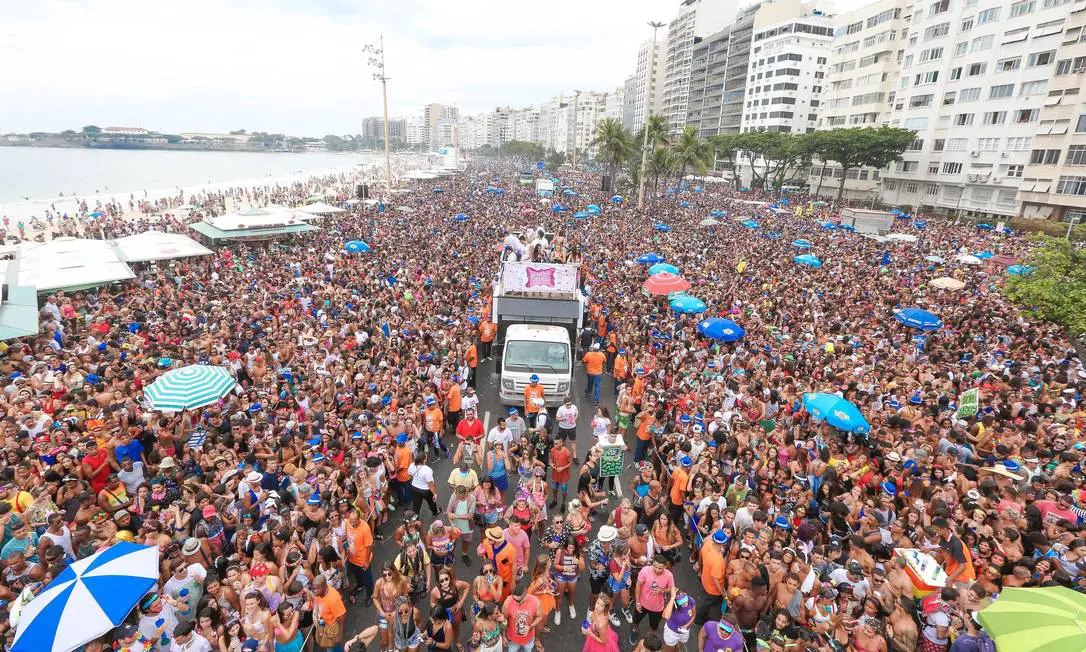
pixel 536 349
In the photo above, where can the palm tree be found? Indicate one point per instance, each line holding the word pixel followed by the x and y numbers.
pixel 614 142
pixel 691 151
pixel 660 164
pixel 656 128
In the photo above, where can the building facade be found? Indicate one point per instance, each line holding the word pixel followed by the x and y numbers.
pixel 708 69
pixel 695 19
pixel 629 103
pixel 649 81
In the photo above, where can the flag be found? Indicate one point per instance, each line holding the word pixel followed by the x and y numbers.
pixel 968 403
pixel 886 258
pixel 386 329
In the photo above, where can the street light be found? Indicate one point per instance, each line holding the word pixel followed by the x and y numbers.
pixel 377 62
pixel 576 97
pixel 655 25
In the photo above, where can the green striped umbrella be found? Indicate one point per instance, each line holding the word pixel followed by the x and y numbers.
pixel 188 387
pixel 1052 619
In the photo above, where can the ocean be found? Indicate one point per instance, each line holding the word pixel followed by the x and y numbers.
pixel 33 178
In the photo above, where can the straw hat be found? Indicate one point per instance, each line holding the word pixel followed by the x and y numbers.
pixel 999 469
pixel 495 534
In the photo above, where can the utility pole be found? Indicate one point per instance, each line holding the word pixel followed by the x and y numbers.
pixel 576 97
pixel 377 62
pixel 655 25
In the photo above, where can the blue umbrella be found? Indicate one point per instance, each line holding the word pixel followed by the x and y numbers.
pixel 558 208
pixel 984 227
pixel 723 330
pixel 582 215
pixel 87 599
pixel 1019 270
pixel 357 246
pixel 660 268
pixel 461 217
pixel 918 318
pixel 617 199
pixel 698 189
pixel 808 259
pixel 593 208
pixel 772 235
pixel 650 258
pixel 569 192
pixel 438 190
pixel 751 224
pixel 801 244
pixel 716 213
pixel 687 305
pixel 684 204
pixel 662 228
pixel 920 224
pixel 97 214
pixel 984 255
pixel 835 411
pixel 499 192
pixel 491 189
pixel 847 227
pixel 829 226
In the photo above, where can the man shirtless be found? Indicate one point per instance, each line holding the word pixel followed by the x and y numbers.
pixel 902 628
pixel 751 604
pixel 900 584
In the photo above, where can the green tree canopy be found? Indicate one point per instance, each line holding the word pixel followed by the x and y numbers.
pixel 92 129
pixel 614 142
pixel 862 146
pixel 554 159
pixel 522 151
pixel 1056 287
pixel 691 151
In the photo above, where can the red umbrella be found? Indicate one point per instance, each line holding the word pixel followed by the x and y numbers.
pixel 665 283
pixel 528 211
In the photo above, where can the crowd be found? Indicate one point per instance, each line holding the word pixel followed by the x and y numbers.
pixel 313 509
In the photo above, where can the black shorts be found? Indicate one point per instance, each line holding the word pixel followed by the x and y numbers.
pixel 568 433
pixel 599 586
pixel 654 618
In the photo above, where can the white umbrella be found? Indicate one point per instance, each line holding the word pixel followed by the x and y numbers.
pixel 405 209
pixel 934 259
pixel 968 259
pixel 902 237
pixel 946 283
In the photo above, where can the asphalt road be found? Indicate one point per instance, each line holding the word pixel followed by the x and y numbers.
pixel 567 636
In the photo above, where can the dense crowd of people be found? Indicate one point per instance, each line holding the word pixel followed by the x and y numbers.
pixel 312 500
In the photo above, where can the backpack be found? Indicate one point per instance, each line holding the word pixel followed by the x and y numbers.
pixel 932 605
pixel 985 644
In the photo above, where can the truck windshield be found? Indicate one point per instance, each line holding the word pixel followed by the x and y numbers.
pixel 548 357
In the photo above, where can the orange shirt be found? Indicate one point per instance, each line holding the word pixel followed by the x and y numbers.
pixel 404 458
pixel 530 392
pixel 471 356
pixel 643 429
pixel 330 608
pixel 359 544
pixel 487 331
pixel 712 567
pixel 622 368
pixel 678 486
pixel 432 419
pixel 638 389
pixel 452 398
pixel 593 363
pixel 505 560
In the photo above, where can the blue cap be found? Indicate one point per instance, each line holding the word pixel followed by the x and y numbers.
pixel 512 410
pixel 318 457
pixel 92 379
pixel 356 435
pixel 386 400
pixel 1011 466
pixel 720 537
pixel 401 438
pixel 316 441
pixel 782 523
pixel 685 418
pixel 430 400
pixel 915 399
pixel 909 465
pixel 686 461
pixel 14 375
pixel 889 488
pixel 894 403
pixel 534 378
pixel 102 346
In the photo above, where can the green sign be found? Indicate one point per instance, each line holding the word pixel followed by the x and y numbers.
pixel 968 403
pixel 611 461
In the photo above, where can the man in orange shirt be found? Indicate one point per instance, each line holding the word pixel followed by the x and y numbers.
pixel 452 404
pixel 495 548
pixel 712 575
pixel 679 479
pixel 328 613
pixel 594 362
pixel 534 399
pixel 359 549
pixel 432 423
pixel 471 357
pixel 487 331
pixel 404 458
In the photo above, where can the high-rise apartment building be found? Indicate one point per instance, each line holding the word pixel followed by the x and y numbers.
pixel 975 78
pixel 629 103
pixel 696 19
pixel 649 75
pixel 860 85
pixel 373 130
pixel 708 69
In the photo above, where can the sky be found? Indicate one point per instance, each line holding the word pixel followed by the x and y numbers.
pixel 298 66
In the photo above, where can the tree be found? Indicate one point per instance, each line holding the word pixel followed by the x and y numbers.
pixel 238 132
pixel 691 151
pixel 1056 287
pixel 614 143
pixel 862 146
pixel 91 129
pixel 661 162
pixel 554 159
pixel 726 146
pixel 522 151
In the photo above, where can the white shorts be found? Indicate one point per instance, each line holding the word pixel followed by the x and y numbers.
pixel 673 638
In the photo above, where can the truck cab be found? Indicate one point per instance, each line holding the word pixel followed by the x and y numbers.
pixel 536 349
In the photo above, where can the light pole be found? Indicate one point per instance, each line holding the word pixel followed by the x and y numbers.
pixel 576 97
pixel 655 25
pixel 377 62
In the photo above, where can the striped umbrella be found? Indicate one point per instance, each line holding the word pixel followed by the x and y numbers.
pixel 188 387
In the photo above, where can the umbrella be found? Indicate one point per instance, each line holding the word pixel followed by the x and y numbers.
pixel 836 411
pixel 405 209
pixel 558 208
pixel 698 189
pixel 650 258
pixel 594 209
pixel 617 199
pixel 829 226
pixel 946 283
pixel 687 305
pixel 438 190
pixel 684 204
pixel 1019 270
pixel 188 387
pixel 918 318
pixel 569 192
pixel 461 217
pixel 902 237
pixel 1051 618
pixel 491 189
pixel 967 259
pixel 660 268
pixel 97 214
pixel 665 283
pixel 934 259
pixel 801 244
pixel 87 599
pixel 808 259
pixel 716 213
pixel 984 255
pixel 751 224
pixel 358 247
pixel 920 224
pixel 718 328
pixel 662 228
pixel 984 227
pixel 582 215
pixel 709 222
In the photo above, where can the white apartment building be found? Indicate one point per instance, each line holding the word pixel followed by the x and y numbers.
pixel 1054 181
pixel 416 131
pixel 629 101
pixel 526 125
pixel 860 85
pixel 649 75
pixel 696 18
pixel 974 79
pixel 591 107
pixel 616 99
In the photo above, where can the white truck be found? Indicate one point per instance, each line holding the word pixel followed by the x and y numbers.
pixel 539 309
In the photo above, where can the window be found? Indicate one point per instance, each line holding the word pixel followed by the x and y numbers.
pixel 981 194
pixel 995 117
pixel 1022 8
pixel 1080 126
pixel 916 145
pixel 957 144
pixel 1041 58
pixel 1007 65
pixel 976 69
pixel 961 48
pixel 933 168
pixel 988 16
pixel 912 187
pixel 955 73
pixel 963 119
pixel 940 145
pixel 967 24
pixel 1076 155
pixel 936 31
pixel 952 168
pixel 948 98
pixel 933 189
pixel 1006 196
pixel 969 95
pixel 931 54
pixel 938 8
pixel 1015 35
pixel 952 193
pixel 891 184
pixel 988 144
pixel 1031 88
pixel 926 78
pixel 1071 66
pixel 908 166
pixel 1048 28
pixel 1019 144
pixel 1071 186
pixel 1001 91
pixel 982 43
pixel 1044 157
pixel 1015 171
pixel 1048 4
pixel 1024 116
pixel 916 123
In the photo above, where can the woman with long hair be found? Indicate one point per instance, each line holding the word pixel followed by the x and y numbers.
pixel 599 635
pixel 543 587
pixel 568 566
pixel 389 588
pixel 450 594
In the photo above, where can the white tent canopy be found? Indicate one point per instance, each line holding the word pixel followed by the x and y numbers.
pixel 269 216
pixel 320 208
pixel 70 263
pixel 156 245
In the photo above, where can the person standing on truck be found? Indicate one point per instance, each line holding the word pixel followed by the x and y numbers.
pixel 487 331
pixel 594 362
pixel 534 399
